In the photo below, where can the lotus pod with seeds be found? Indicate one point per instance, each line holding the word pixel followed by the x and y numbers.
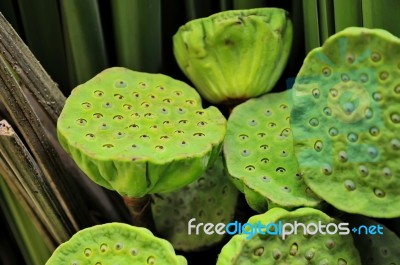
pixel 346 121
pixel 210 199
pixel 377 246
pixel 234 55
pixel 305 247
pixel 115 243
pixel 259 155
pixel 139 133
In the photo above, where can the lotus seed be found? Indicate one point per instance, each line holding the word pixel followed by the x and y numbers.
pixel 90 136
pixel 395 117
pixel 326 71
pixel 333 131
pixel 250 168
pixel 330 244
pixel 327 111
pixel 383 75
pixel 324 262
pixel 318 146
pixel 86 105
pixel 120 84
pixel 327 169
pixel 245 152
pixel 286 189
pixel 345 77
pixel 343 156
pixel 118 96
pixel 375 56
pixel 283 106
pixel 349 185
pixel 134 252
pixel 316 93
pixel 151 260
pixel 363 170
pixel 272 124
pixel 387 172
pixel 368 113
pixel 283 153
pixel 395 143
pixel 293 249
pixel 374 131
pixel 103 247
pixel 87 252
pixel 252 122
pixel 280 170
pixel 98 93
pixel 376 96
pixel 261 135
pixel 276 254
pixel 373 152
pixel 352 137
pixel 199 134
pixel 397 89
pixel 364 78
pixel 333 92
pixel 97 115
pixel 265 147
pixel 265 160
pixel 183 122
pixel 75 263
pixel 379 193
pixel 118 246
pixel 265 179
pixel 314 122
pixel 81 122
pixel 181 110
pixel 309 254
pixel 202 123
pixel 107 105
pixel 348 107
pixel 259 251
pixel 268 112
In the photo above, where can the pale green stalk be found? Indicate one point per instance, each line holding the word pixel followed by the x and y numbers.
pixel 311 24
pixel 347 13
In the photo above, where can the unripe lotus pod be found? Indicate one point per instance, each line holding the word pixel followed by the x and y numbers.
pixel 259 155
pixel 346 121
pixel 210 199
pixel 115 243
pixel 234 55
pixel 375 242
pixel 301 248
pixel 134 132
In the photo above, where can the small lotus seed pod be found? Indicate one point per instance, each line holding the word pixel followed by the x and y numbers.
pixel 307 246
pixel 134 132
pixel 234 55
pixel 360 129
pixel 115 243
pixel 259 155
pixel 210 199
pixel 376 243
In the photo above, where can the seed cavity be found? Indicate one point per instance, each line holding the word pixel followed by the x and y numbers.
pixel 118 96
pixel 265 160
pixel 372 152
pixel 90 136
pixel 326 71
pixel 395 117
pixel 243 137
pixel 374 131
pixel 397 89
pixel 327 169
pixel 280 170
pixel 259 251
pixel 330 244
pixel 276 254
pixel 108 145
pixel 333 131
pixel 314 122
pixel 293 249
pixel 364 78
pixel 345 77
pixel 333 92
pixel 368 113
pixel 134 252
pixel 316 93
pixel 81 122
pixel 379 193
pixel 250 168
pixel 265 179
pixel 202 124
pixel 264 147
pixel 86 105
pixel 375 57
pixel 97 115
pixel 252 123
pixel 272 124
pixel 268 112
pixel 377 96
pixel 199 134
pixel 98 93
pixel 343 156
pixel 103 248
pixel 118 246
pixel 318 146
pixel 118 117
pixel 144 137
pixel 107 105
pixel 363 170
pixel 87 252
pixel 245 152
pixel 151 260
pixel 383 75
pixel 387 172
pixel 327 111
pixel 309 254
pixel 352 137
pixel 395 144
pixel 349 185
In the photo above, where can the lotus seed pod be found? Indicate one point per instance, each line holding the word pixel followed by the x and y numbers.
pixel 351 86
pixel 210 199
pixel 304 247
pixel 115 243
pixel 134 132
pixel 376 243
pixel 259 155
pixel 234 55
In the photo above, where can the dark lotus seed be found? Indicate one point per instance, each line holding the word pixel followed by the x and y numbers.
pixel 327 111
pixel 86 105
pixel 364 78
pixel 333 92
pixel 350 58
pixel 345 77
pixel 383 75
pixel 87 252
pixel 374 131
pixel 134 252
pixel 250 168
pixel 265 179
pixel 286 189
pixel 107 105
pixel 326 71
pixel 276 254
pixel 97 115
pixel 136 94
pixel 265 160
pixel 98 93
pixel 375 56
pixel 200 113
pixel 118 96
pixel 280 170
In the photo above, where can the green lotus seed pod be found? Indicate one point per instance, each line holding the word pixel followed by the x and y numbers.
pixel 134 132
pixel 234 55
pixel 376 243
pixel 259 155
pixel 346 121
pixel 115 243
pixel 210 199
pixel 305 247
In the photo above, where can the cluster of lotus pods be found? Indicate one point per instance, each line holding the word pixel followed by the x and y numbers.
pixel 332 139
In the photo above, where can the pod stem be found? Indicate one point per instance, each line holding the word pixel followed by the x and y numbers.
pixel 140 210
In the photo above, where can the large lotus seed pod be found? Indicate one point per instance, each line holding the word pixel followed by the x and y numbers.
pixel 139 133
pixel 376 243
pixel 295 249
pixel 259 155
pixel 210 199
pixel 346 121
pixel 234 55
pixel 115 243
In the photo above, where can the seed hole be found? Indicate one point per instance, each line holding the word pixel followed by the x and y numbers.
pixel 86 105
pixel 375 57
pixel 108 145
pixel 268 112
pixel 145 104
pixel 166 122
pixel 179 132
pixel 364 78
pixel 135 115
pixel 98 93
pixel 178 93
pixel 349 185
pixel 318 146
pixel 134 126
pixel 136 95
pixel 283 106
pixel 144 137
pixel 350 58
pixel 264 147
pixel 245 152
pixel 189 101
pixel 118 117
pixel 327 111
pixel 265 160
pixel 90 136
pixel 252 122
pixel 345 77
pixel 118 96
pixel 167 100
pixel 250 168
pixel 120 84
pixel 372 152
pixel 363 170
pixel 395 143
pixel 376 96
pixel 379 193
pixel 326 71
pixel 149 115
pixel 316 93
pixel 265 179
pixel 181 110
pixel 397 89
pixel 280 170
pixel 383 75
pixel 107 105
pixel 103 248
pixel 160 147
pixel 134 252
pixel 352 137
pixel 199 134
pixel 374 131
pixel 81 122
pixel 368 113
pixel 395 117
pixel 243 137
pixel 164 137
pixel 333 92
pixel 283 153
pixel 387 172
pixel 261 135
pixel 259 251
pixel 327 169
pixel 201 123
pixel 184 143
pixel 343 156
pixel 314 122
pixel 333 131
pixel 87 252
pixel 142 84
pixel 330 244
